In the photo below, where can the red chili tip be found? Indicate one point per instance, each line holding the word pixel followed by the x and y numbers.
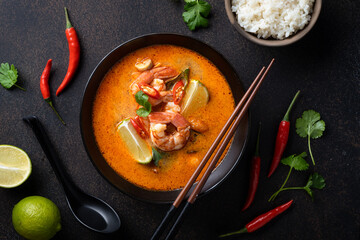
pixel 270 173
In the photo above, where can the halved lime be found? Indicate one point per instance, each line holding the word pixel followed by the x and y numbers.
pixel 138 147
pixel 15 166
pixel 196 96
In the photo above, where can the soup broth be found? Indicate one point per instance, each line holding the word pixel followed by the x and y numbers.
pixel 114 102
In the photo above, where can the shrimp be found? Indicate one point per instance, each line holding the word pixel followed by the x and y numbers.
pixel 143 64
pixel 158 84
pixel 164 72
pixel 145 77
pixel 154 101
pixel 197 125
pixel 172 107
pixel 154 77
pixel 161 134
pixel 147 74
pixel 166 96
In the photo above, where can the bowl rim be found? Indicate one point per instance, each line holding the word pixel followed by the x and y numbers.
pixel 245 121
pixel 274 42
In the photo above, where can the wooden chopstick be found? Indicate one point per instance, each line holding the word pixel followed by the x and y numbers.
pixel 229 128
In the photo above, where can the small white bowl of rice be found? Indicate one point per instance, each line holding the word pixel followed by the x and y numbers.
pixel 273 22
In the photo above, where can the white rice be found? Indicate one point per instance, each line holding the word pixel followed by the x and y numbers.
pixel 273 18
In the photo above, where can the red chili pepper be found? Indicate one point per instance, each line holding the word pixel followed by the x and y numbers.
pixel 150 91
pixel 178 92
pixel 44 87
pixel 261 220
pixel 254 174
pixel 139 127
pixel 74 54
pixel 282 138
pixel 140 122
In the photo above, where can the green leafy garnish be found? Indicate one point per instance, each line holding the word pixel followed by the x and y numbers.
pixel 142 99
pixel 310 125
pixel 156 156
pixel 315 181
pixel 184 76
pixel 195 13
pixel 294 162
pixel 8 76
pixel 298 163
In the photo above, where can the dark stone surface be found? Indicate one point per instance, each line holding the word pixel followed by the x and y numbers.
pixel 324 65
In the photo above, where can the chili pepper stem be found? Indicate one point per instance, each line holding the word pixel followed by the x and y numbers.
pixel 20 87
pixel 68 23
pixel 53 108
pixel 281 188
pixel 286 116
pixel 312 158
pixel 243 230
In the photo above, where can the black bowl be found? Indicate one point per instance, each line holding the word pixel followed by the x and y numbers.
pixel 87 132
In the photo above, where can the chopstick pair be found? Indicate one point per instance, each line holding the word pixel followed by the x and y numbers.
pixel 229 128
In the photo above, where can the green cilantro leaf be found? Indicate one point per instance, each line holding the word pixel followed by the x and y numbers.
pixel 8 76
pixel 142 99
pixel 195 13
pixel 309 191
pixel 294 162
pixel 315 181
pixel 310 125
pixel 156 156
pixel 318 181
pixel 297 162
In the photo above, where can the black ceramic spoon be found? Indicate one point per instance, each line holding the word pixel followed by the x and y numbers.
pixel 92 212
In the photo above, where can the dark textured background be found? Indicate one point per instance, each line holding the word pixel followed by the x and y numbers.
pixel 324 65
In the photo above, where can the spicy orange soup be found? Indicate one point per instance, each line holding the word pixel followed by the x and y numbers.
pixel 114 102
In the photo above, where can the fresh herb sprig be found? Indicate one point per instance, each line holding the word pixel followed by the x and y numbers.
pixel 142 99
pixel 315 181
pixel 9 76
pixel 310 126
pixel 196 13
pixel 294 162
pixel 156 155
pixel 299 163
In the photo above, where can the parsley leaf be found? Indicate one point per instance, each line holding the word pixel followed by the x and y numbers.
pixel 297 162
pixel 195 13
pixel 8 76
pixel 156 156
pixel 310 125
pixel 142 99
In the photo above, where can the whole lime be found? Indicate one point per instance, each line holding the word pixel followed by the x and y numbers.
pixel 36 218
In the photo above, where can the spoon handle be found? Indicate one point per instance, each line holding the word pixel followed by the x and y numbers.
pixel 50 153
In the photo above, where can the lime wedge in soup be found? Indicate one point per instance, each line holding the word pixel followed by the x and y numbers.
pixel 196 96
pixel 138 147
